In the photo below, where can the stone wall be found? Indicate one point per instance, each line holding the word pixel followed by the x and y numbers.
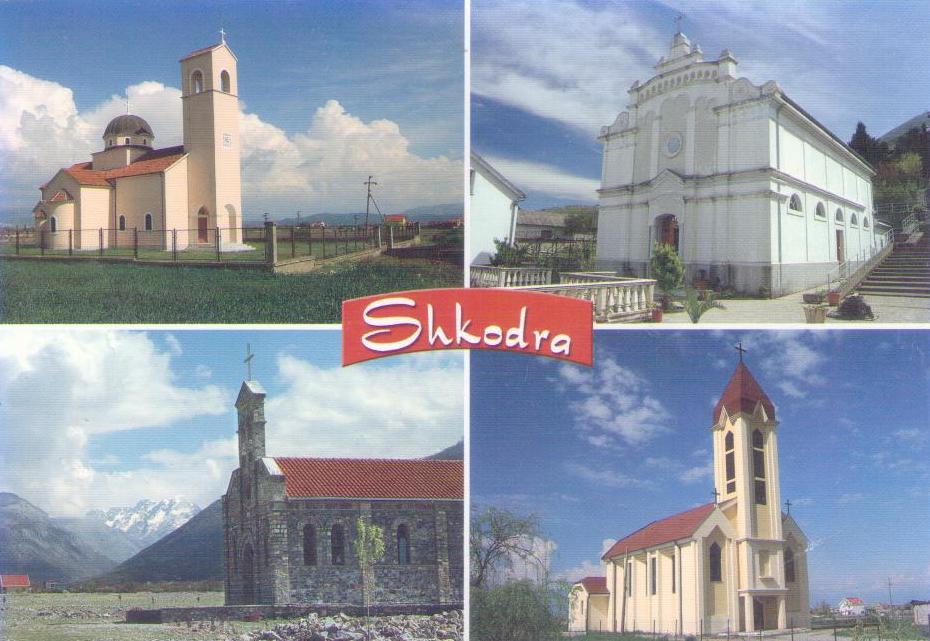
pixel 243 612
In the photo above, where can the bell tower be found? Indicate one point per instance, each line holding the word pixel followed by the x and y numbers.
pixel 209 93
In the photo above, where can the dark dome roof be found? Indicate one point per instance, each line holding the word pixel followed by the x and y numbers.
pixel 128 125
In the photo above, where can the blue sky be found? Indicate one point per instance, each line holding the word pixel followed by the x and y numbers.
pixel 396 72
pixel 597 454
pixel 547 76
pixel 133 415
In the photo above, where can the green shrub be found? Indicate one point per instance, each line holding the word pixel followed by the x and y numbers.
pixel 696 305
pixel 667 268
pixel 507 255
pixel 512 612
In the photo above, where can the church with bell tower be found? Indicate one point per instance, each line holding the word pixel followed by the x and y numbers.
pixel 738 564
pixel 132 194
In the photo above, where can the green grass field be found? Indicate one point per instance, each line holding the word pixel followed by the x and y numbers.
pixel 77 292
pixel 98 617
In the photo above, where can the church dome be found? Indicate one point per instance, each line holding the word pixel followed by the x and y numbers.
pixel 130 126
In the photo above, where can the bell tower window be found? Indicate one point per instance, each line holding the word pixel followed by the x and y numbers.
pixel 758 466
pixel 716 570
pixel 197 82
pixel 224 81
pixel 730 462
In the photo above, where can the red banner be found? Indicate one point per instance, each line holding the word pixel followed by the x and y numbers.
pixel 518 321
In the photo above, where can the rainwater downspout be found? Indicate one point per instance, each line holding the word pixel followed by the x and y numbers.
pixel 778 168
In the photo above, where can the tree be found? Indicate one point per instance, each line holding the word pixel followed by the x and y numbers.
pixel 369 549
pixel 516 611
pixel 507 255
pixel 497 536
pixel 901 180
pixel 873 150
pixel 667 269
pixel 581 223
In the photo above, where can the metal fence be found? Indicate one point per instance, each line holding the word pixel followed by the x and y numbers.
pixel 567 253
pixel 243 245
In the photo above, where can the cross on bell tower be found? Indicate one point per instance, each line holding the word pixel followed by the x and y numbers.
pixel 248 361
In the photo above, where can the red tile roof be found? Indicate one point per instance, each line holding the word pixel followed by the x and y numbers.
pixel 742 394
pixel 372 478
pixel 395 218
pixel 14 581
pixel 675 527
pixel 153 162
pixel 595 584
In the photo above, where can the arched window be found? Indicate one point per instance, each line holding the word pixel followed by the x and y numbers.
pixel 52 224
pixel 865 222
pixel 235 553
pixel 224 81
pixel 821 211
pixel 148 222
pixel 338 545
pixel 403 545
pixel 309 545
pixel 127 141
pixel 789 566
pixel 839 215
pixel 794 204
pixel 196 81
pixel 716 571
pixel 267 546
pixel 122 223
pixel 145 141
pixel 853 219
pixel 730 462
pixel 758 466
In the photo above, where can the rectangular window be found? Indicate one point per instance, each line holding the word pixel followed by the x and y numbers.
pixel 731 467
pixel 760 492
pixel 758 463
pixel 674 584
pixel 652 575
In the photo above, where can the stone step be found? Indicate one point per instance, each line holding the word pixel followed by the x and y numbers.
pixel 898 278
pixel 896 290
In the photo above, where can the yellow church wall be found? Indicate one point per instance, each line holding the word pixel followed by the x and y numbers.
pixel 598 613
pixel 93 215
pixel 576 609
pixel 175 197
pixel 137 196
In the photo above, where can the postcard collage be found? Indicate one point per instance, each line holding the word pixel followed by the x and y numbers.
pixel 495 320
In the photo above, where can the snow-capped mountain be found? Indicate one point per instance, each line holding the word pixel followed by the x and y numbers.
pixel 147 521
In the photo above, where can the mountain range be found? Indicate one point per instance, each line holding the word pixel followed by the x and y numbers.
pixel 147 521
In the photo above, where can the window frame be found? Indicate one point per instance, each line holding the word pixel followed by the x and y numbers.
pixel 121 222
pixel 715 560
pixel 790 567
pixel 402 533
pixel 195 86
pixel 148 221
pixel 795 199
pixel 309 551
pixel 225 81
pixel 335 559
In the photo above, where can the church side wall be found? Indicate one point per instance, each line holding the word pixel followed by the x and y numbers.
pixel 489 217
pixel 175 198
pixel 137 196
pixel 597 613
pixel 94 215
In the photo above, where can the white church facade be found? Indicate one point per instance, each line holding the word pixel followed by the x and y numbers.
pixel 169 198
pixel 753 192
pixel 738 564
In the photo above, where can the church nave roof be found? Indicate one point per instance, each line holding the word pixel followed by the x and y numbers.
pixel 672 528
pixel 151 163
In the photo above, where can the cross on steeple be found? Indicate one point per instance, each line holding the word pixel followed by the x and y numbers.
pixel 716 496
pixel 248 361
pixel 788 507
pixel 222 35
pixel 739 348
pixel 127 103
pixel 678 20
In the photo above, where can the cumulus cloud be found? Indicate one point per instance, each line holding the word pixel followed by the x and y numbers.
pixel 536 177
pixel 604 477
pixel 793 359
pixel 613 404
pixel 320 169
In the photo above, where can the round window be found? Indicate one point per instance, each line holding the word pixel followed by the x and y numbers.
pixel 673 144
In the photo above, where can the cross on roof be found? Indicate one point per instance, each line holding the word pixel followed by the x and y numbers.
pixel 222 35
pixel 739 348
pixel 127 103
pixel 716 496
pixel 788 507
pixel 248 361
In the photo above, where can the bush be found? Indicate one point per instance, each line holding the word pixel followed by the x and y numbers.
pixel 667 268
pixel 512 612
pixel 507 255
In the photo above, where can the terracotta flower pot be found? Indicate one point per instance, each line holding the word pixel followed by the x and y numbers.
pixel 657 314
pixel 833 298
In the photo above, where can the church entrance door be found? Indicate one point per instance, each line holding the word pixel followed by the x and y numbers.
pixel 840 246
pixel 201 229
pixel 248 575
pixel 758 614
pixel 668 231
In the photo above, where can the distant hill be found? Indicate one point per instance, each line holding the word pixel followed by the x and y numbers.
pixel 99 537
pixel 917 122
pixel 452 453
pixel 44 548
pixel 425 214
pixel 193 552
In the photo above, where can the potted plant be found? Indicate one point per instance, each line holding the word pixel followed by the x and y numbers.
pixel 657 314
pixel 815 298
pixel 815 313
pixel 833 297
pixel 668 270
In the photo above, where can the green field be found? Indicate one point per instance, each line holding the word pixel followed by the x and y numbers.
pixel 95 617
pixel 78 292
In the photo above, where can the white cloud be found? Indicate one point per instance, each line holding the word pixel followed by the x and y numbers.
pixel 612 403
pixel 696 474
pixel 539 178
pixel 793 359
pixel 606 478
pixel 321 169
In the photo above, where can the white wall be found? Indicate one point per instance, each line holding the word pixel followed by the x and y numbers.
pixel 490 217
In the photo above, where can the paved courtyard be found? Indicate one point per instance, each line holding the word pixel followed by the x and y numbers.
pixel 790 309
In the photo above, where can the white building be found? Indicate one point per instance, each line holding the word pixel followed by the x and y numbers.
pixel 750 188
pixel 494 206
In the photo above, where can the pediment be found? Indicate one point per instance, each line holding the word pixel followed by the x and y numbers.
pixel 716 520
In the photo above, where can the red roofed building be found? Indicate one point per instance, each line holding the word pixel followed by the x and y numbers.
pixel 290 524
pixel 174 197
pixel 738 563
pixel 14 583
pixel 395 219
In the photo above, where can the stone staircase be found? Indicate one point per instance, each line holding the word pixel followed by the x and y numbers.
pixel 905 272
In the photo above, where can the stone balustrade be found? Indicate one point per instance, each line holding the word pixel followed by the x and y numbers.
pixel 490 276
pixel 616 300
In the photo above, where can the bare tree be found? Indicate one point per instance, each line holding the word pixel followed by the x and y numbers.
pixel 497 537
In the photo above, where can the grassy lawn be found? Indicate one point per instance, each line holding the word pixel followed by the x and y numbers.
pixel 93 617
pixel 34 292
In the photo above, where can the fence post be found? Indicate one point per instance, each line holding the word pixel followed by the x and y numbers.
pixel 100 241
pixel 135 243
pixel 17 240
pixel 323 240
pixel 293 247
pixel 174 244
pixel 42 243
pixel 70 242
pixel 390 236
pixel 379 237
pixel 416 228
pixel 309 240
pixel 216 230
pixel 271 243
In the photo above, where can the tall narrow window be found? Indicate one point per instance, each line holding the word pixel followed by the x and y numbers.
pixel 674 579
pixel 403 545
pixel 122 223
pixel 196 82
pixel 629 578
pixel 758 466
pixel 730 462
pixel 716 572
pixel 309 545
pixel 338 545
pixel 652 575
pixel 127 141
pixel 148 222
pixel 789 566
pixel 53 224
pixel 267 544
pixel 224 81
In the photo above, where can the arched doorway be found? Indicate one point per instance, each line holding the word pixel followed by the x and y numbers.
pixel 202 223
pixel 667 231
pixel 248 575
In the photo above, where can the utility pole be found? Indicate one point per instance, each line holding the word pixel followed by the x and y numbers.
pixel 368 182
pixel 890 599
pixel 298 218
